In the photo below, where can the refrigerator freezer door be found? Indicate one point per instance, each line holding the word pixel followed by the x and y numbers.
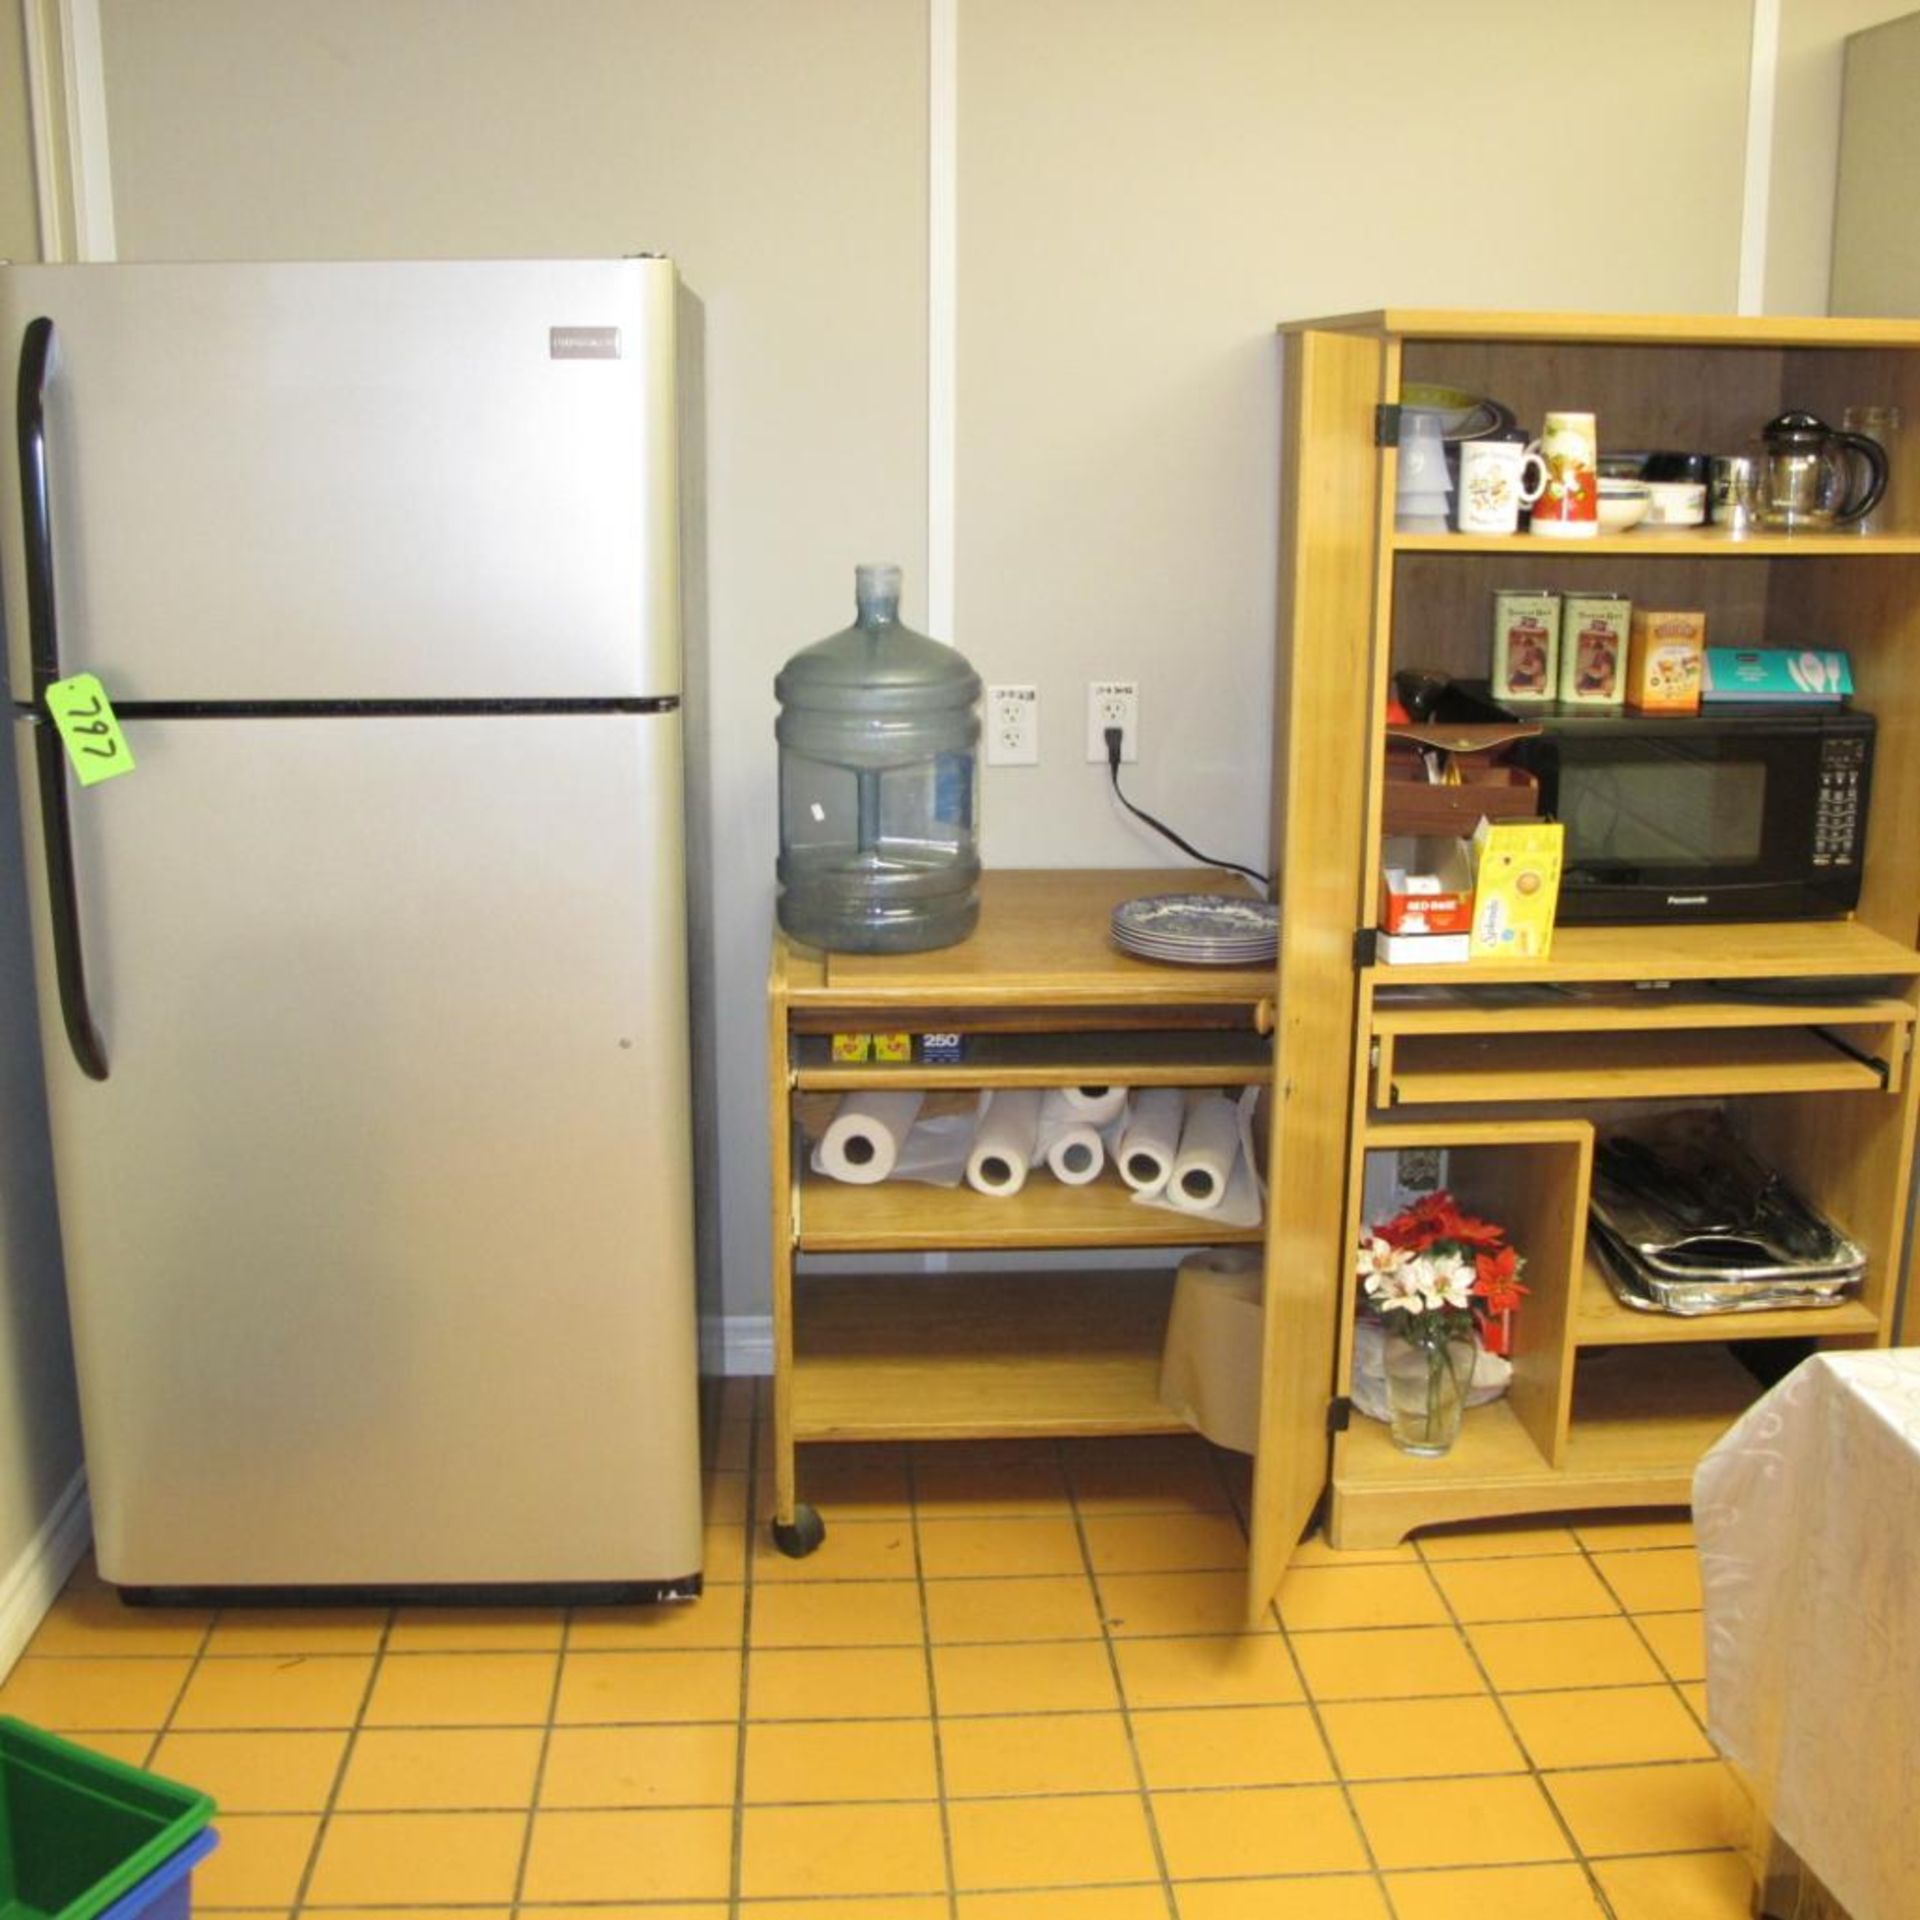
pixel 378 1233
pixel 353 481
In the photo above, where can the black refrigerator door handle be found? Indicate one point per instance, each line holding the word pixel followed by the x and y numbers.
pixel 56 823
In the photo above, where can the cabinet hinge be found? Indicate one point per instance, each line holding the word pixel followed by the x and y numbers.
pixel 1339 1413
pixel 1386 425
pixel 1366 946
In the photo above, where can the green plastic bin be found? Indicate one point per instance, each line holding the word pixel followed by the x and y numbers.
pixel 78 1830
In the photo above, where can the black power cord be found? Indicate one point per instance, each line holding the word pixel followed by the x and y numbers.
pixel 1114 738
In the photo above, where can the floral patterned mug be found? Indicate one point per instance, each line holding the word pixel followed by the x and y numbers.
pixel 1569 504
pixel 1497 479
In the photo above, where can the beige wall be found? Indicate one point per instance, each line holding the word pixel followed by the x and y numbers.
pixel 1876 252
pixel 1806 144
pixel 39 1427
pixel 1145 187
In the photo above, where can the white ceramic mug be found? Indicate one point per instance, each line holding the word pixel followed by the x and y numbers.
pixel 1497 479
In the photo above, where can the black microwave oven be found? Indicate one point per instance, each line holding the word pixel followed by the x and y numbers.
pixel 1732 813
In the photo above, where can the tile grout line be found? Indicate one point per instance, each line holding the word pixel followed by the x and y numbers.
pixel 1313 1704
pixel 910 1464
pixel 519 1894
pixel 751 1521
pixel 1534 1771
pixel 304 1886
pixel 1142 1786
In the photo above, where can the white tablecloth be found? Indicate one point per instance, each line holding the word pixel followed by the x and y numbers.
pixel 1808 1519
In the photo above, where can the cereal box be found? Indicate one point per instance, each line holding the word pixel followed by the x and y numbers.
pixel 1516 888
pixel 1664 654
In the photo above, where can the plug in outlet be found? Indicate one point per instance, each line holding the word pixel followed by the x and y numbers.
pixel 1013 726
pixel 1113 703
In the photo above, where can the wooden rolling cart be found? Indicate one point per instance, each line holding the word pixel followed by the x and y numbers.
pixel 1040 998
pixel 1609 1406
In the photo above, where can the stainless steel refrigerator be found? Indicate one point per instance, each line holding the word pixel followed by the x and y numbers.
pixel 364 994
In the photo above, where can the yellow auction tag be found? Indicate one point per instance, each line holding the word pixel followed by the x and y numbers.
pixel 84 715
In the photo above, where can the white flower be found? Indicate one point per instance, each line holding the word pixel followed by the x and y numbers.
pixel 1450 1283
pixel 1376 1256
pixel 1399 1289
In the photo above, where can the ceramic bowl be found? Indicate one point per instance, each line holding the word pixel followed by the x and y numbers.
pixel 1623 504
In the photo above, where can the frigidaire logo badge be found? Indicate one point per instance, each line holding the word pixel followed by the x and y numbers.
pixel 1686 899
pixel 583 343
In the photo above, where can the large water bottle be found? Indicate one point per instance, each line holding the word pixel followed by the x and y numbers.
pixel 879 851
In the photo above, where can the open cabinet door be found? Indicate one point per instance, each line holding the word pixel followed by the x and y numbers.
pixel 1324 704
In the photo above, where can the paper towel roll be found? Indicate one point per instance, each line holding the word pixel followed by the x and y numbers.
pixel 1004 1141
pixel 1209 1145
pixel 1098 1104
pixel 1068 1140
pixel 1152 1138
pixel 863 1139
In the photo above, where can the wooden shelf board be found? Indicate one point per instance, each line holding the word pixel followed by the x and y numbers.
pixel 1442 1069
pixel 1642 1417
pixel 1719 543
pixel 1619 329
pixel 1042 940
pixel 1634 1011
pixel 906 1215
pixel 849 1079
pixel 1604 1322
pixel 1737 951
pixel 980 1356
pixel 1143 1059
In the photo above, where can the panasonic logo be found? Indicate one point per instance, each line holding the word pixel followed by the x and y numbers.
pixel 1686 899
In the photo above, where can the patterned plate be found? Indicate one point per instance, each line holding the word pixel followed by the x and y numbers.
pixel 1198 928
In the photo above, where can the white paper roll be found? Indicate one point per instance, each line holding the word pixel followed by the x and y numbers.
pixel 1209 1145
pixel 1152 1138
pixel 1068 1141
pixel 864 1138
pixel 1004 1141
pixel 1098 1104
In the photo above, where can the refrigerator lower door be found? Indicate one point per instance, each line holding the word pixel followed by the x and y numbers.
pixel 378 1232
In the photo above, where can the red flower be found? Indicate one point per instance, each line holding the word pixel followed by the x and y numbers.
pixel 1497 1281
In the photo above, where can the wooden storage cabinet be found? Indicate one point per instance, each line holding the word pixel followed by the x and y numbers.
pixel 1610 1406
pixel 1041 999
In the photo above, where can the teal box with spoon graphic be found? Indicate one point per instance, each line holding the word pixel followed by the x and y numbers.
pixel 1799 676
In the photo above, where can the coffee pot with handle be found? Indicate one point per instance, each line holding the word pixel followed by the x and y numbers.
pixel 1813 476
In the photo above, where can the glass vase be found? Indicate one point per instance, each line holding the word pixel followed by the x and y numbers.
pixel 1427 1384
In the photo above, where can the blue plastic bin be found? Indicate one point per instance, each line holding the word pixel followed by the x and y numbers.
pixel 167 1892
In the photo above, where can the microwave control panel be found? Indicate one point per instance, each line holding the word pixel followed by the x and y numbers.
pixel 1842 803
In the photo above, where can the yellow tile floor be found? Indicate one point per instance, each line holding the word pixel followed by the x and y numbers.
pixel 1014 1684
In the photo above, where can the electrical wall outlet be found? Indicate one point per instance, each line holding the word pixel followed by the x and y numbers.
pixel 1013 726
pixel 1113 703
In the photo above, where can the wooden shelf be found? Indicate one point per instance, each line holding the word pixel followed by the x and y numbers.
pixel 1736 951
pixel 1101 1058
pixel 1620 1064
pixel 1619 329
pixel 1626 1008
pixel 1718 543
pixel 1603 1322
pixel 958 1356
pixel 909 1216
pixel 1642 1417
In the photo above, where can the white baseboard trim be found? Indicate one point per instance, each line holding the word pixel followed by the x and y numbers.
pixel 736 1343
pixel 33 1582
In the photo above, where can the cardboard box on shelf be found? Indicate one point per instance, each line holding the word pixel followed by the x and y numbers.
pixel 1665 654
pixel 1426 886
pixel 1516 889
pixel 1422 949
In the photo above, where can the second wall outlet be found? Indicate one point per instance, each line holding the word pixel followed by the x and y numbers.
pixel 1013 726
pixel 1113 703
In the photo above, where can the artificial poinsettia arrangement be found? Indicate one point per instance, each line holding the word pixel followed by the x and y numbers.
pixel 1437 1274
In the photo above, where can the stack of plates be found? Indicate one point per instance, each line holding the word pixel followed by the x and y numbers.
pixel 1197 929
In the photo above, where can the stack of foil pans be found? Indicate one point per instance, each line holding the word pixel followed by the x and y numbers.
pixel 1686 1221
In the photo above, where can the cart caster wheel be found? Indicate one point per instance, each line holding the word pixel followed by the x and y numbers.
pixel 804 1536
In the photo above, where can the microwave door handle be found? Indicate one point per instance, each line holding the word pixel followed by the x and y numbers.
pixel 43 641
